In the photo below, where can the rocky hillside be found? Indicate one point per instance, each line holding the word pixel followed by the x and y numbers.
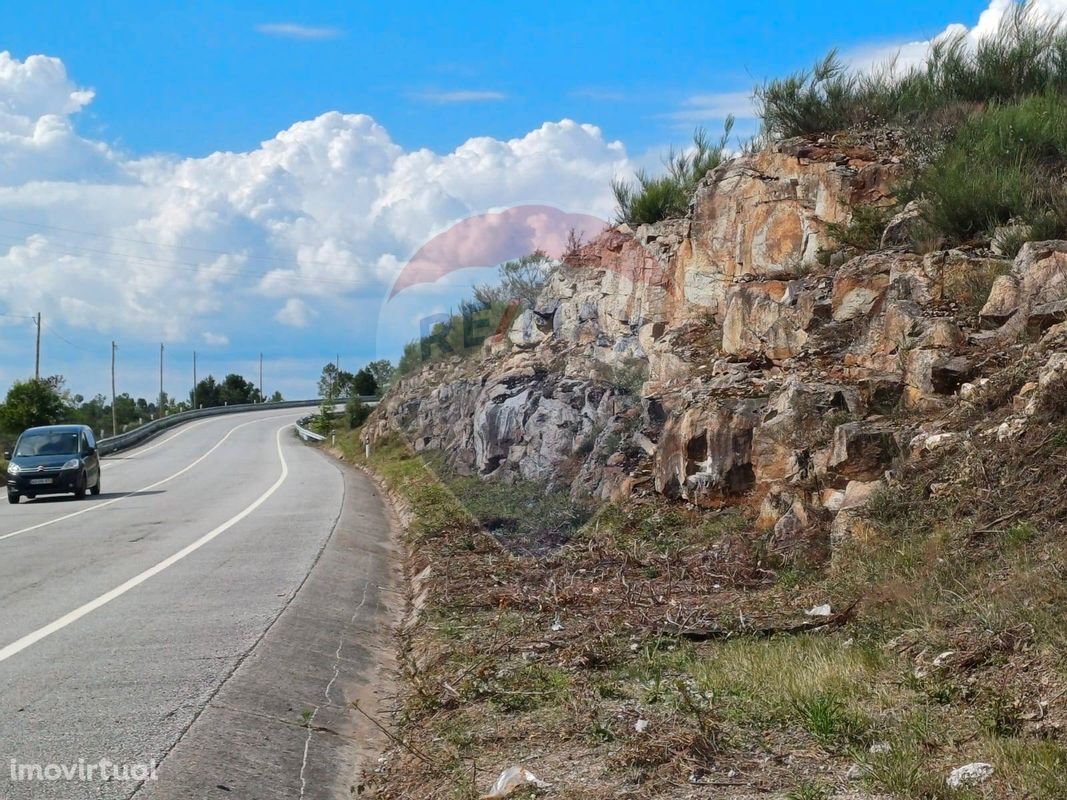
pixel 743 357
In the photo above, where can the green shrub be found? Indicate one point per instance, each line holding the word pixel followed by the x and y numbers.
pixel 1005 163
pixel 655 198
pixel 460 334
pixel 1026 56
pixel 864 230
pixel 356 412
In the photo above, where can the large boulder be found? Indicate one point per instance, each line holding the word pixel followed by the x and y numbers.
pixel 1038 278
pixel 765 215
pixel 862 451
pixel 860 286
pixel 781 444
pixel 763 319
pixel 705 453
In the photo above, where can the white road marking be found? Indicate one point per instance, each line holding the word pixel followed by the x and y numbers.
pixel 32 638
pixel 107 503
pixel 137 453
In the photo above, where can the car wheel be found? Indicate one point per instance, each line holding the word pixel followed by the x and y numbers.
pixel 96 489
pixel 13 497
pixel 79 490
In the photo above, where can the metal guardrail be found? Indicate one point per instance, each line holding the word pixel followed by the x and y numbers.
pixel 308 435
pixel 113 444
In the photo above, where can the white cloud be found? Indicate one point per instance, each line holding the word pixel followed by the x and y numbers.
pixel 295 313
pixel 461 96
pixel 292 30
pixel 215 339
pixel 163 248
pixel 903 55
pixel 701 108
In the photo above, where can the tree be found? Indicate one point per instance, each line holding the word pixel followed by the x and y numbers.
pixel 356 411
pixel 521 279
pixel 363 384
pixel 235 390
pixel 383 372
pixel 33 402
pixel 277 397
pixel 207 393
pixel 334 383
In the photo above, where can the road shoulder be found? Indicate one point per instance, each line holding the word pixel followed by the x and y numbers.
pixel 282 725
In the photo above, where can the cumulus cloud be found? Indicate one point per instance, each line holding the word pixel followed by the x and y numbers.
pixel 292 30
pixel 903 55
pixel 295 313
pixel 324 214
pixel 215 339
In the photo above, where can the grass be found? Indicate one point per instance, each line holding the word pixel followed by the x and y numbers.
pixel 810 682
pixel 1004 164
pixel 1024 57
pixel 864 229
pixel 650 199
pixel 558 653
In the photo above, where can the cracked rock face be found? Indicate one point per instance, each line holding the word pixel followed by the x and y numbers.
pixel 717 361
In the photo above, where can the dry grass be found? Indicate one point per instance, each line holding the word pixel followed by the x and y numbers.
pixel 551 659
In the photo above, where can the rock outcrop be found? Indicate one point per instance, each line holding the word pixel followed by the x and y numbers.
pixel 733 357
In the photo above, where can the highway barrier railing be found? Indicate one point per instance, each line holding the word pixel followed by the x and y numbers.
pixel 141 434
pixel 305 433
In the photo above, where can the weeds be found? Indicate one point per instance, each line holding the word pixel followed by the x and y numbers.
pixel 1024 57
pixel 864 229
pixel 655 198
pixel 1004 165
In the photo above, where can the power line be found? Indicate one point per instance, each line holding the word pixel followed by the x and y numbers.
pixel 50 330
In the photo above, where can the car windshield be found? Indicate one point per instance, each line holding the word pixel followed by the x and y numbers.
pixel 48 444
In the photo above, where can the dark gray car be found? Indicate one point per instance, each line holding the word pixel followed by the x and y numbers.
pixel 55 459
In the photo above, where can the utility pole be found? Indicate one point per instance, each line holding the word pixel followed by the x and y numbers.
pixel 37 361
pixel 114 412
pixel 194 380
pixel 261 397
pixel 160 380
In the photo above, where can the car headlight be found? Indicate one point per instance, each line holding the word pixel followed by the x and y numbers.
pixel 13 469
pixel 74 463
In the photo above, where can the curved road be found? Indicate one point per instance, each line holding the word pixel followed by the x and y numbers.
pixel 215 611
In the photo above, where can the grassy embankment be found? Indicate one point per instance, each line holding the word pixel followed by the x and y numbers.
pixel 580 662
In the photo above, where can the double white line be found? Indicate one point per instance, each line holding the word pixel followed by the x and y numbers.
pixel 32 638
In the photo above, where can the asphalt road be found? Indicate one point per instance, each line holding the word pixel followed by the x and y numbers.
pixel 214 612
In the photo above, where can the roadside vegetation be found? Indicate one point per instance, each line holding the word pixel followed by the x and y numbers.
pixel 48 401
pixel 651 198
pixel 984 123
pixel 490 311
pixel 655 649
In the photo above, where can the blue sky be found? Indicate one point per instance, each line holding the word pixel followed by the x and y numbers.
pixel 196 78
pixel 181 173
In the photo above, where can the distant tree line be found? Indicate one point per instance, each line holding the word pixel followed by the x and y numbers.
pixel 47 401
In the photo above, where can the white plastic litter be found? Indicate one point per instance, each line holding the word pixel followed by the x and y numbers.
pixel 819 611
pixel 641 725
pixel 511 779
